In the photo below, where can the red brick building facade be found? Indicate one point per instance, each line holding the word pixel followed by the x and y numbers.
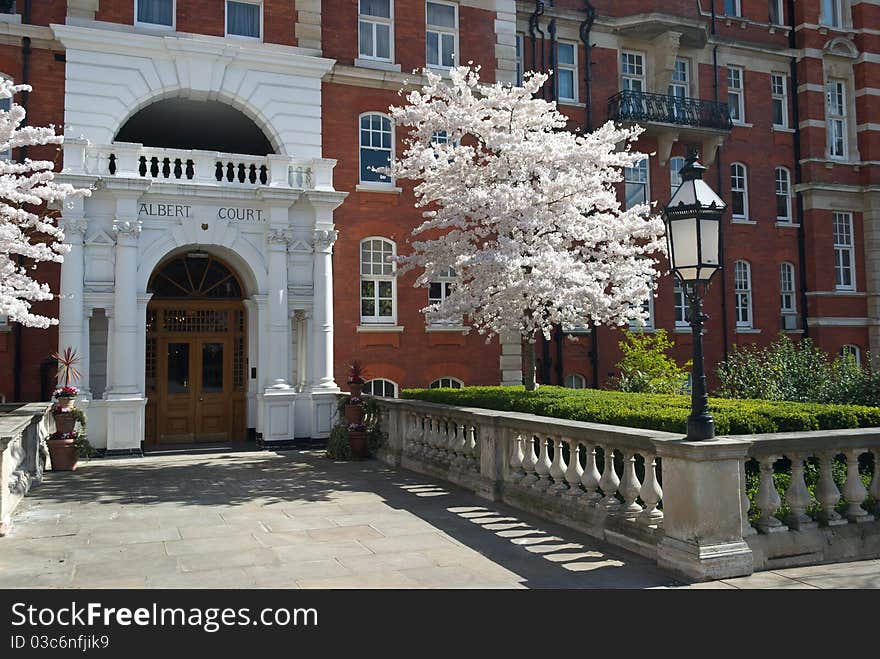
pixel 797 164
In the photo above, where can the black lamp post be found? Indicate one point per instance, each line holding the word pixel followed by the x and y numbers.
pixel 693 227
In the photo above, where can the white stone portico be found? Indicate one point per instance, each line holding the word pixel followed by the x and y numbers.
pixel 269 218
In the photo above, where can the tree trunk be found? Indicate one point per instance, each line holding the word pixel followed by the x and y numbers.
pixel 528 361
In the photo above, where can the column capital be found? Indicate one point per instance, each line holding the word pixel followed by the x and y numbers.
pixel 277 238
pixel 324 239
pixel 74 230
pixel 127 231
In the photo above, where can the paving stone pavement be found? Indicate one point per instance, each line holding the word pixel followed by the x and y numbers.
pixel 294 519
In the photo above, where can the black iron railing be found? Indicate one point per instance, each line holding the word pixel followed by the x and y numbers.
pixel 641 107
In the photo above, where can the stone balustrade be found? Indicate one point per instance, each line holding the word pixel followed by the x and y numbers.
pixel 683 504
pixel 23 428
pixel 128 160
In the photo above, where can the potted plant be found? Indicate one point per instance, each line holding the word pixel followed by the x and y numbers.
pixel 356 374
pixel 357 439
pixel 62 448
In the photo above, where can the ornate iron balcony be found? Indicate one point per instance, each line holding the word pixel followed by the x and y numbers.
pixel 642 107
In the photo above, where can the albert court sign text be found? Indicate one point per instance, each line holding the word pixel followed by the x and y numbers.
pixel 232 213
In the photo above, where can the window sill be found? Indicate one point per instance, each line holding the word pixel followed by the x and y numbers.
pixel 572 104
pixel 244 37
pixel 783 129
pixel 378 187
pixel 642 330
pixel 787 225
pixel 794 331
pixel 446 328
pixel 379 328
pixel 379 65
pixel 742 221
pixel 747 330
pixel 683 330
pixel 740 124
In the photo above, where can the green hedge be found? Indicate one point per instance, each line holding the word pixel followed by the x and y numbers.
pixel 656 411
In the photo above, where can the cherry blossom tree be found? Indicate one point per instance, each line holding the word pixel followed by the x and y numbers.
pixel 28 235
pixel 523 211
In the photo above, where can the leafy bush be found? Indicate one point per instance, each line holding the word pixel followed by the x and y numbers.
pixel 338 446
pixel 646 366
pixel 83 447
pixel 797 371
pixel 664 412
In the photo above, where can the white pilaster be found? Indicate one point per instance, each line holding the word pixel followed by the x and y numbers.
pixel 71 311
pixel 322 327
pixel 279 322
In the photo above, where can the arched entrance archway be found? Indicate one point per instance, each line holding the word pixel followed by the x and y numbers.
pixel 196 352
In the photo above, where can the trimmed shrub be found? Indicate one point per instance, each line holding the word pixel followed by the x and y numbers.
pixel 646 366
pixel 665 412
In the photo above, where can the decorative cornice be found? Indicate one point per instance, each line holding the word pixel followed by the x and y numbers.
pixel 277 237
pixel 127 230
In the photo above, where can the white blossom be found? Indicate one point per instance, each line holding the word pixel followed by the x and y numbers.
pixel 27 234
pixel 523 210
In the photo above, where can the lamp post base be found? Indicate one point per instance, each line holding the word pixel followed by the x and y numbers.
pixel 700 428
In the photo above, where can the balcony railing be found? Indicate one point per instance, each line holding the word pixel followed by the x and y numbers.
pixel 642 107
pixel 166 165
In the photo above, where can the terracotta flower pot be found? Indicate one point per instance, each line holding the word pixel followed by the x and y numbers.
pixel 62 452
pixel 354 414
pixel 356 388
pixel 66 402
pixel 357 439
pixel 64 422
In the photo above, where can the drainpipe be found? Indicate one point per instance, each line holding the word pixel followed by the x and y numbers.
pixel 533 28
pixel 554 88
pixel 798 174
pixel 586 27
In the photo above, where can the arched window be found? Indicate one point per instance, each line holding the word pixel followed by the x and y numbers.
pixel 783 195
pixel 376 147
pixel 787 298
pixel 853 352
pixel 378 281
pixel 446 382
pixel 380 387
pixel 742 283
pixel 739 192
pixel 575 381
pixel 675 165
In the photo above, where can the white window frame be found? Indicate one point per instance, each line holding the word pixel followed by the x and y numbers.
pixel 637 325
pixel 780 13
pixel 379 184
pixel 391 276
pixel 640 57
pixel 739 90
pixel 783 189
pixel 740 188
pixel 737 7
pixel 440 30
pixel 838 116
pixel 452 381
pixel 573 68
pixel 244 37
pixel 445 280
pixel 160 26
pixel 852 349
pixel 742 286
pixel 781 96
pixel 844 246
pixel 7 154
pixel 675 173
pixel 575 377
pixel 787 289
pixel 628 179
pixel 377 20
pixel 679 302
pixel 385 382
pixel 837 7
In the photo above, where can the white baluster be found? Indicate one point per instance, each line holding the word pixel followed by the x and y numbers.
pixel 447 431
pixel 609 483
pixel 768 500
pixel 590 478
pixel 629 487
pixel 854 490
pixel 651 494
pixel 461 445
pixel 575 471
pixel 827 493
pixel 516 456
pixel 557 468
pixel 473 449
pixel 747 528
pixel 797 496
pixel 529 461
pixel 543 466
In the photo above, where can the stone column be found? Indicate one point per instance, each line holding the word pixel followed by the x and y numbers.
pixel 322 327
pixel 85 355
pixel 279 321
pixel 702 509
pixel 125 307
pixel 71 311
